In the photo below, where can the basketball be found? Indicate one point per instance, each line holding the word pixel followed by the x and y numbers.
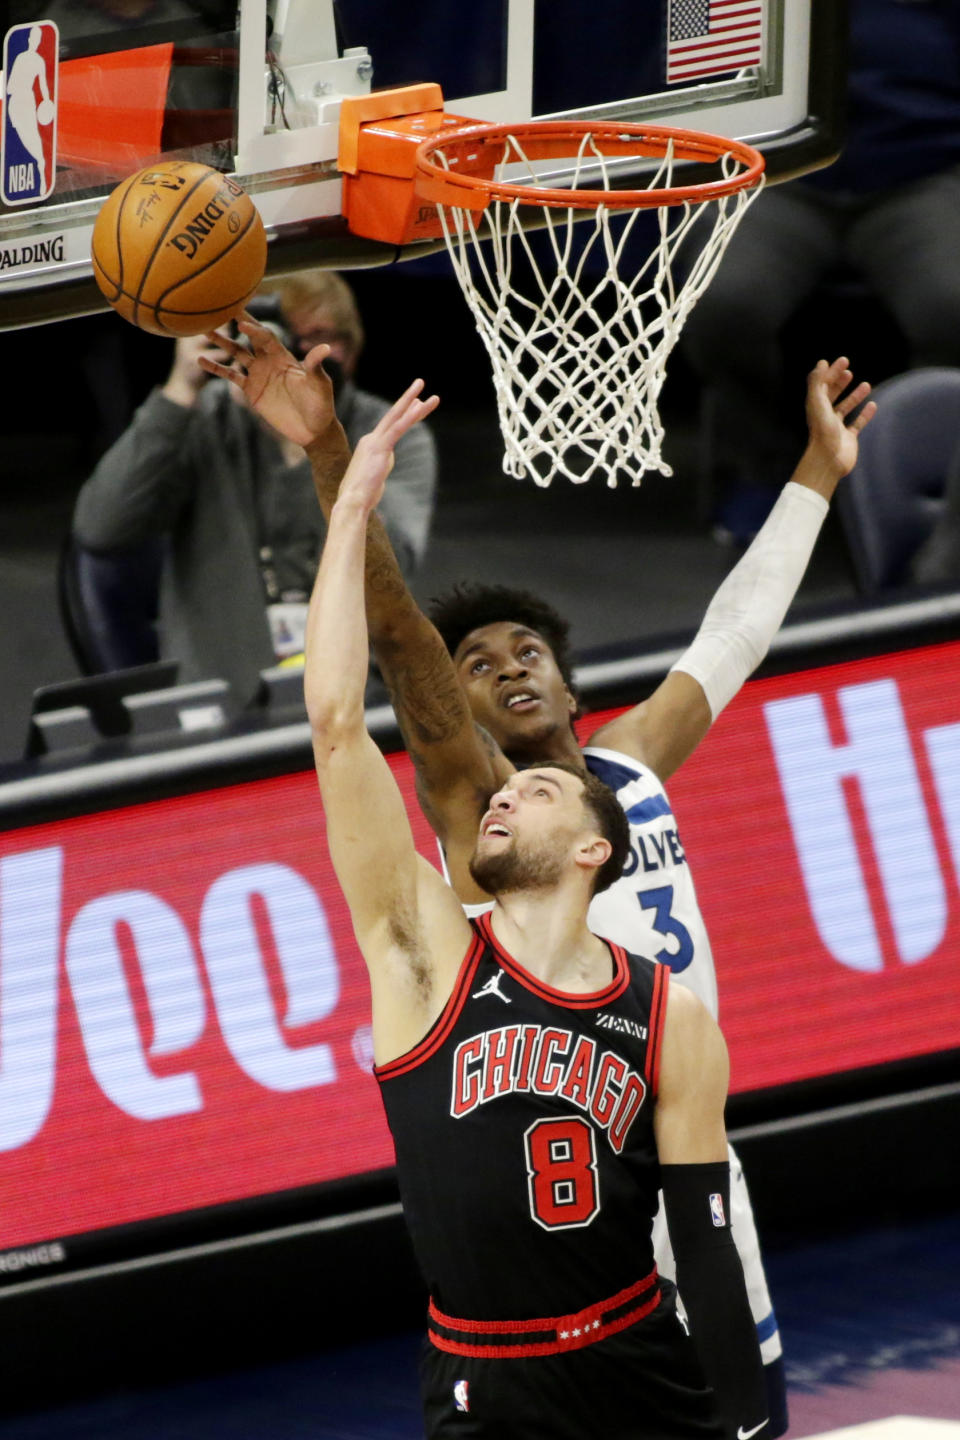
pixel 45 112
pixel 178 248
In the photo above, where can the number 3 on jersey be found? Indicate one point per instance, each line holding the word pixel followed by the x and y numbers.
pixel 562 1172
pixel 660 901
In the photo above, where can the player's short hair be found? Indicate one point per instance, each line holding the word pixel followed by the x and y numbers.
pixel 313 289
pixel 608 814
pixel 467 606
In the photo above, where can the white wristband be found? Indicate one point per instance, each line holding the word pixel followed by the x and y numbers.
pixel 748 609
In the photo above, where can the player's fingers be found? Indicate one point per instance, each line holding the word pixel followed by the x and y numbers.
pixel 223 342
pixel 414 411
pixel 223 372
pixel 412 390
pixel 314 358
pixel 855 397
pixel 834 375
pixel 837 381
pixel 821 379
pixel 397 409
pixel 261 337
pixel 864 417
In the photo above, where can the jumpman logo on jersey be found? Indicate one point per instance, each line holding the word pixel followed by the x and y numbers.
pixel 491 989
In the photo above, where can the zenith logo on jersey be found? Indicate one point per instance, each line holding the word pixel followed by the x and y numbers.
pixel 621 1025
pixel 548 1061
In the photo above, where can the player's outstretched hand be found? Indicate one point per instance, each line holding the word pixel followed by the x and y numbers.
pixel 372 460
pixel 832 399
pixel 295 398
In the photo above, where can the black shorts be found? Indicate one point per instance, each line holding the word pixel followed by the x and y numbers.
pixel 643 1384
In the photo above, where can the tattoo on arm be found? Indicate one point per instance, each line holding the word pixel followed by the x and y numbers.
pixel 383 577
pixel 488 742
pixel 434 814
pixel 329 458
pixel 421 782
pixel 426 696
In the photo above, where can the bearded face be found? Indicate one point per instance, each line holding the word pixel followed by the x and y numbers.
pixel 521 865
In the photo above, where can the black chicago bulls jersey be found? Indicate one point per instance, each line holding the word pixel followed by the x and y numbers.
pixel 523 1125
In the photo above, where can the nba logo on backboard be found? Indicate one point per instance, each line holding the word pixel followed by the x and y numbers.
pixel 461 1394
pixel 716 1211
pixel 28 145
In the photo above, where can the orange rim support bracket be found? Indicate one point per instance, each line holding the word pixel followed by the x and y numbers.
pixel 380 135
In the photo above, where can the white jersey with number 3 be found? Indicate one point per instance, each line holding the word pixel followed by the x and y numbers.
pixel 652 909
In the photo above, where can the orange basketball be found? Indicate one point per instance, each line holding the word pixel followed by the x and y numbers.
pixel 178 248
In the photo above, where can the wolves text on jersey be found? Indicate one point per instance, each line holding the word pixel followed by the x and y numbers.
pixel 548 1061
pixel 650 851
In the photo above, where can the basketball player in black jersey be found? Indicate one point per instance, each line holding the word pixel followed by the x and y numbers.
pixel 537 1081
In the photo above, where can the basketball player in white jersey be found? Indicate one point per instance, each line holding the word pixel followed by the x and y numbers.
pixel 490 689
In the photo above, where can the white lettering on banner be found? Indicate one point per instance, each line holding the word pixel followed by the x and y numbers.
pixel 108 1020
pixel 30 893
pixel 878 755
pixel 239 982
pixel 31 904
pixel 943 750
pixel 12 1261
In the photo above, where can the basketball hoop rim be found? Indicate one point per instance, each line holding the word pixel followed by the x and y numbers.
pixel 461 190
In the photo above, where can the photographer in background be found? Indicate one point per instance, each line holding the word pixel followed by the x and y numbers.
pixel 232 502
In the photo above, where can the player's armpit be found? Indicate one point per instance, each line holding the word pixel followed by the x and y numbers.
pixel 408 923
pixel 416 953
pixel 663 730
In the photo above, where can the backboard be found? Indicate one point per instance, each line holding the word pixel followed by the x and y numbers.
pixel 254 87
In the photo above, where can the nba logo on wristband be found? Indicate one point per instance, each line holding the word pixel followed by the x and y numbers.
pixel 716 1211
pixel 461 1394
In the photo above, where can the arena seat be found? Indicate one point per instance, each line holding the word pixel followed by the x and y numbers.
pixel 892 499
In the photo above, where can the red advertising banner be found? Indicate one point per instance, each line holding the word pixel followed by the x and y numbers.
pixel 821 819
pixel 184 1013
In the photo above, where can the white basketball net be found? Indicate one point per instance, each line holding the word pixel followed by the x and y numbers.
pixel 579 354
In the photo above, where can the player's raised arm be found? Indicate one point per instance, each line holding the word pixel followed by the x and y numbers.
pixel 695 1176
pixel 749 607
pixel 408 924
pixel 457 769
